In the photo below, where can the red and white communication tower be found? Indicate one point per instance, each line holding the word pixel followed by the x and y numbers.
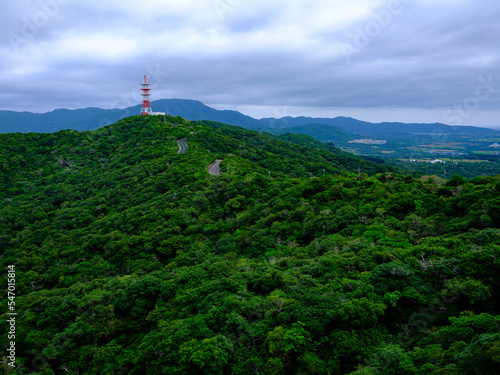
pixel 146 104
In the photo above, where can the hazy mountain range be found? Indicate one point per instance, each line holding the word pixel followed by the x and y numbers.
pixel 94 118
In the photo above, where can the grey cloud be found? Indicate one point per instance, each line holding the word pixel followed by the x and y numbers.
pixel 430 55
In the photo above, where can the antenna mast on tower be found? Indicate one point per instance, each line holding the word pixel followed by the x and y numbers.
pixel 146 104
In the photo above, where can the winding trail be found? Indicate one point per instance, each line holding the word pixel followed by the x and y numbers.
pixel 183 146
pixel 214 168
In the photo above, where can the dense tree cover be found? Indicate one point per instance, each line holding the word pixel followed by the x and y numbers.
pixel 466 154
pixel 132 259
pixel 320 132
pixel 468 167
pixel 272 153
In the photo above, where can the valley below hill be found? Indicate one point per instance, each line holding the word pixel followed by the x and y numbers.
pixel 463 150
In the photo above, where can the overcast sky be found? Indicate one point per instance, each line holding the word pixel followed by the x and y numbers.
pixel 375 60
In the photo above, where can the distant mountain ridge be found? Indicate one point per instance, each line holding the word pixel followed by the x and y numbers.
pixel 94 118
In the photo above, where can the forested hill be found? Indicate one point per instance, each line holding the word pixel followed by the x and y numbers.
pixel 139 140
pixel 321 128
pixel 132 259
pixel 94 118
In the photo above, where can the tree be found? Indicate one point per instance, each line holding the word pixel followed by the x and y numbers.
pixel 208 356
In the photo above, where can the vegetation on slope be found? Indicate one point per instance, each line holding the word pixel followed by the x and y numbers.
pixel 132 259
pixel 321 132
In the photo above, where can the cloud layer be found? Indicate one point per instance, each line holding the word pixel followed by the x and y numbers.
pixel 405 60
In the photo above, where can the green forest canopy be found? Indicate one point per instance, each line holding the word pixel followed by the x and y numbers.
pixel 132 259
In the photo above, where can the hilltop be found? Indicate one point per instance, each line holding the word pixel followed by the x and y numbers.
pixel 131 258
pixel 465 150
pixel 94 118
pixel 138 140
